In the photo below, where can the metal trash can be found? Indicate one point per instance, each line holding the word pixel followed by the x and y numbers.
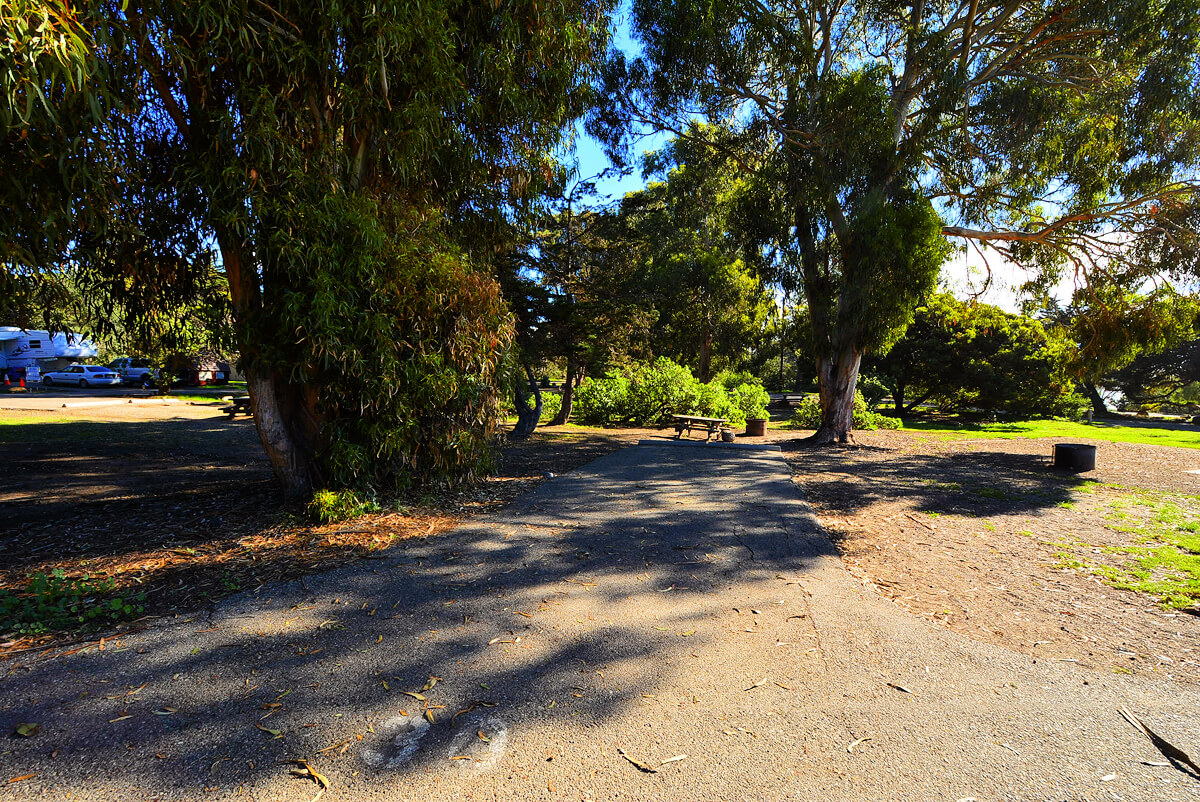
pixel 1076 457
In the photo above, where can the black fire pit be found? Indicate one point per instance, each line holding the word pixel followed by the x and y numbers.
pixel 1075 457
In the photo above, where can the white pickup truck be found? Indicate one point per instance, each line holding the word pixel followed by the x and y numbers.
pixel 134 371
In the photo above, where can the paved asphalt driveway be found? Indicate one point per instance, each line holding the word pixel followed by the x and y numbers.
pixel 670 605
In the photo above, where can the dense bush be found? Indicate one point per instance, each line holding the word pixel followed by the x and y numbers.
pixel 398 347
pixel 551 404
pixel 872 389
pixel 808 415
pixel 649 394
pixel 961 356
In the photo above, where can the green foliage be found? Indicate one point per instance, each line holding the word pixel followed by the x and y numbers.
pixel 961 355
pixel 849 122
pixel 751 401
pixel 1151 379
pixel 730 379
pixel 551 404
pixel 657 391
pixel 331 506
pixel 55 603
pixel 355 164
pixel 648 394
pixel 872 389
pixel 808 415
pixel 399 339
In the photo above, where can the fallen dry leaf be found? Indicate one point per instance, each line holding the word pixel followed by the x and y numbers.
pixel 335 746
pixel 429 683
pixel 856 742
pixel 900 688
pixel 675 759
pixel 275 733
pixel 28 729
pixel 759 684
pixel 1169 750
pixel 21 778
pixel 640 765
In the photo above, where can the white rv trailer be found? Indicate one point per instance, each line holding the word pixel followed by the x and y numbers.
pixel 21 349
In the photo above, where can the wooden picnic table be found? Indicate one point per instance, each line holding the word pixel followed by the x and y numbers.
pixel 685 423
pixel 238 404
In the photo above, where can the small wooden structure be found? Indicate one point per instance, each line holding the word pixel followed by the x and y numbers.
pixel 238 404
pixel 685 424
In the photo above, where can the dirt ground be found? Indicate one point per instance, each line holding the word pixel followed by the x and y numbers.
pixel 177 502
pixel 980 536
pixel 985 538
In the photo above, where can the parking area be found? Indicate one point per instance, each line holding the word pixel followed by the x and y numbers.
pixel 58 397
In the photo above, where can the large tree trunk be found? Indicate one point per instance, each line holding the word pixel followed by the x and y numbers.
pixel 293 463
pixel 568 394
pixel 527 416
pixel 278 407
pixel 1093 394
pixel 898 398
pixel 837 377
pixel 706 354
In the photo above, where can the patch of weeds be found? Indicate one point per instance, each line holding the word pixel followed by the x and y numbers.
pixel 933 514
pixel 56 603
pixel 953 487
pixel 993 493
pixel 990 527
pixel 1163 560
pixel 331 506
pixel 1066 505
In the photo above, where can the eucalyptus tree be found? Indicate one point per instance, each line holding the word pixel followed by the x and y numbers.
pixel 1112 321
pixel 347 165
pixel 712 307
pixel 877 130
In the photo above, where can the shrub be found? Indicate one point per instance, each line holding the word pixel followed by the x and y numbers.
pixel 731 379
pixel 808 415
pixel 872 389
pixel 56 603
pixel 751 401
pixel 551 404
pixel 331 506
pixel 599 402
pixel 660 390
pixel 648 394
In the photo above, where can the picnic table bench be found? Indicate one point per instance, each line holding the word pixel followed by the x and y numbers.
pixel 685 423
pixel 238 403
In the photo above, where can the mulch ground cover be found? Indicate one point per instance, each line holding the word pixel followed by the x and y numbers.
pixel 178 506
pixel 984 537
pixel 171 510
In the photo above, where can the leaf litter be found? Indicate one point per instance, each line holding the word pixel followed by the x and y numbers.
pixel 1169 750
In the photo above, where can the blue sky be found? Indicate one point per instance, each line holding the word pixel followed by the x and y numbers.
pixel 963 274
pixel 588 151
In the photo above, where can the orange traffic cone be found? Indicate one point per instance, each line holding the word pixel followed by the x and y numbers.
pixel 7 383
pixel 22 381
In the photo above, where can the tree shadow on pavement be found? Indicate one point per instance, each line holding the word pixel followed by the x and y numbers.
pixel 567 609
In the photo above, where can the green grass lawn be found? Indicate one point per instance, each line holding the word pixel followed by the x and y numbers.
pixel 1100 430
